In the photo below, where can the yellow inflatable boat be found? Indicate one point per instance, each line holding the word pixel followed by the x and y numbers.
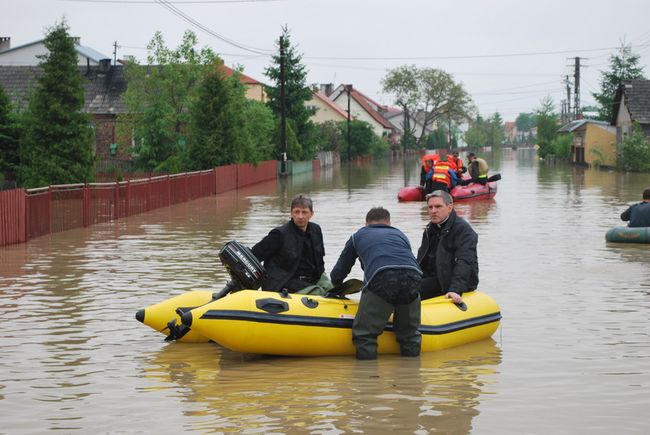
pixel 272 323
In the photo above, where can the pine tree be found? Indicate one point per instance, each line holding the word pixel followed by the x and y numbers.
pixel 217 127
pixel 56 148
pixel 622 66
pixel 296 90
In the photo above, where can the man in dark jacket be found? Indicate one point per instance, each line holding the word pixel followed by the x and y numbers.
pixel 391 283
pixel 293 254
pixel 447 254
pixel 639 214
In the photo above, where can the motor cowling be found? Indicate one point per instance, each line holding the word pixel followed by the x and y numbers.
pixel 246 271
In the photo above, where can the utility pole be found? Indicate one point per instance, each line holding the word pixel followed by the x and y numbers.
pixel 576 87
pixel 115 53
pixel 283 110
pixel 568 98
pixel 348 88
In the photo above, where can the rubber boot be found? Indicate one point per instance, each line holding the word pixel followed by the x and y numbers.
pixel 371 318
pixel 406 322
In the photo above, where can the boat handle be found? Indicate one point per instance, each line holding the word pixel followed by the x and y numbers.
pixel 271 305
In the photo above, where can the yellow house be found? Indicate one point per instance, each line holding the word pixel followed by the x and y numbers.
pixel 594 142
pixel 326 109
pixel 254 89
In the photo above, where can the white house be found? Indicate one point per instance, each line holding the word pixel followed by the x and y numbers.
pixel 26 55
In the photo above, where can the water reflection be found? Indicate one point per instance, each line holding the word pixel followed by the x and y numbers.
pixel 437 393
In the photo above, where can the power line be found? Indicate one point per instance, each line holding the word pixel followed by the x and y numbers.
pixel 174 10
pixel 187 2
pixel 478 56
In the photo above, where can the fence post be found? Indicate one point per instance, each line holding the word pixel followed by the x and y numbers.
pixel 85 203
pixel 116 199
pixel 26 215
pixel 49 209
pixel 127 199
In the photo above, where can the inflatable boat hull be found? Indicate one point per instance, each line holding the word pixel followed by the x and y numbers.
pixel 158 316
pixel 628 235
pixel 298 325
pixel 472 191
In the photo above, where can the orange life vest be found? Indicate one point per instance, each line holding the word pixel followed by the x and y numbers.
pixel 434 157
pixel 457 161
pixel 441 172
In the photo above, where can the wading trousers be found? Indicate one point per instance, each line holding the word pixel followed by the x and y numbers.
pixel 371 318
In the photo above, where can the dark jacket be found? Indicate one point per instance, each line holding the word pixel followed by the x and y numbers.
pixel 281 251
pixel 378 247
pixel 638 215
pixel 456 258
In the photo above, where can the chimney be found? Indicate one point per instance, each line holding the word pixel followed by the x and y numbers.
pixel 104 65
pixel 76 40
pixel 327 88
pixel 5 43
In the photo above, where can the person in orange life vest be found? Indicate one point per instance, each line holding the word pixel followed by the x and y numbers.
pixel 453 158
pixel 426 173
pixel 427 167
pixel 443 177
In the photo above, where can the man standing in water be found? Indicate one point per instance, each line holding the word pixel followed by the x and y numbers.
pixel 391 283
pixel 639 214
pixel 293 253
pixel 447 254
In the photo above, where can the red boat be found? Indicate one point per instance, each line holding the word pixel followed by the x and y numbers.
pixel 459 193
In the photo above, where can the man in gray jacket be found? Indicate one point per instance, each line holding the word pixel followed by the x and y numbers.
pixel 391 285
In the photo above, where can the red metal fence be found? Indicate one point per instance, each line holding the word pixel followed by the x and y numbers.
pixel 26 214
pixel 12 216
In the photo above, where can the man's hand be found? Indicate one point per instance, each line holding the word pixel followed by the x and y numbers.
pixel 455 297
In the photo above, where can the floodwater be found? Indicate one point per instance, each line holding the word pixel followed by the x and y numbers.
pixel 572 354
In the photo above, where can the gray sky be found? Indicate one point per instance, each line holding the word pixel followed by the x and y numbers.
pixel 509 54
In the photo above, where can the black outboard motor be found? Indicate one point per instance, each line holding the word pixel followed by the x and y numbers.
pixel 246 271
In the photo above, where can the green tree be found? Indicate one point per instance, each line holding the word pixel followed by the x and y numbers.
pixel 561 146
pixel 9 135
pixel 56 146
pixel 494 130
pixel 430 91
pixel 212 143
pixel 622 66
pixel 635 151
pixel 220 129
pixel 437 138
pixel 404 83
pixel 260 125
pixel 159 98
pixel 297 93
pixel 525 122
pixel 547 125
pixel 363 140
pixel 476 135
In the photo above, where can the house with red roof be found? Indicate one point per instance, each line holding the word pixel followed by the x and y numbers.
pixel 365 109
pixel 254 89
pixel 325 109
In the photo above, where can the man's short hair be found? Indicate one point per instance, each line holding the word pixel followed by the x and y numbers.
pixel 446 197
pixel 378 214
pixel 646 193
pixel 471 155
pixel 302 201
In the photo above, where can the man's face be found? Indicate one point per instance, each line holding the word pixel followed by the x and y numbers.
pixel 301 217
pixel 429 163
pixel 438 210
